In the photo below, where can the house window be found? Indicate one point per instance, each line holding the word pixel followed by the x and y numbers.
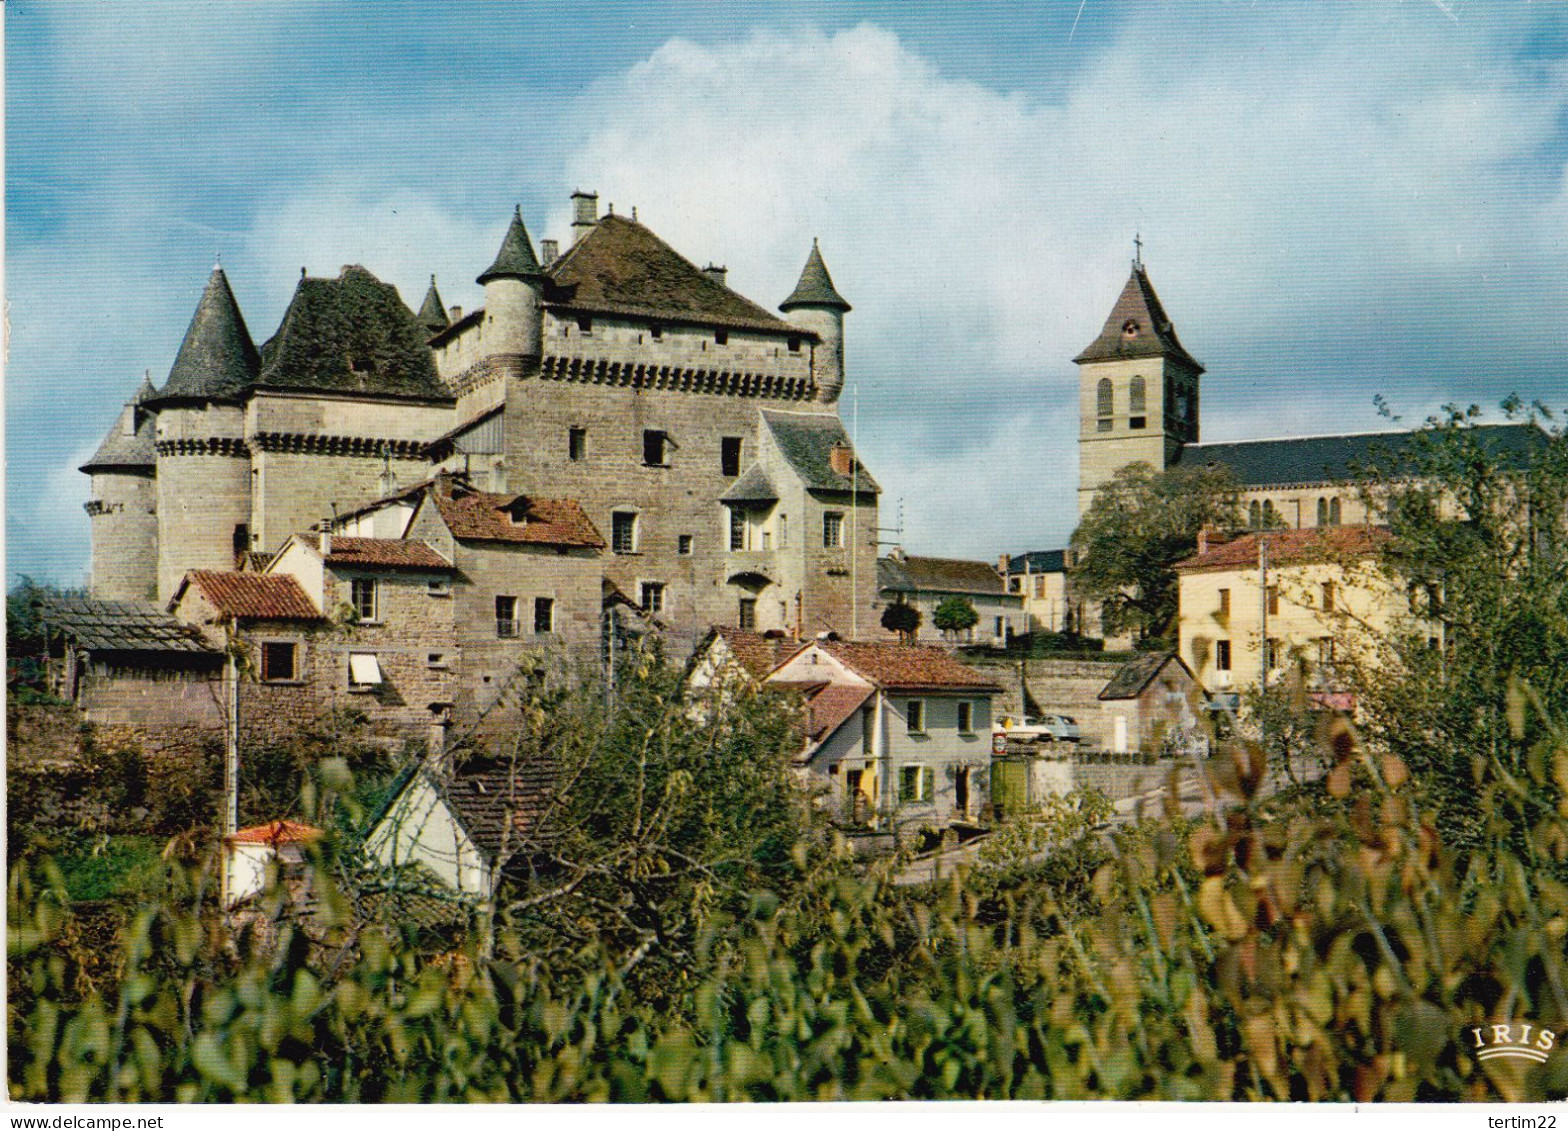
pixel 656 332
pixel 652 596
pixel 737 529
pixel 729 455
pixel 1039 586
pixel 1224 602
pixel 362 594
pixel 1273 653
pixel 783 531
pixel 1222 655
pixel 1001 627
pixel 794 345
pixel 436 661
pixel 966 718
pixel 439 587
pixel 1135 395
pixel 576 443
pixel 1255 514
pixel 241 537
pixel 277 662
pixel 1325 651
pixel 832 530
pixel 584 324
pixel 1333 512
pixel 914 784
pixel 1015 585
pixel 1328 596
pixel 721 337
pixel 506 616
pixel 544 615
pixel 364 671
pixel 915 716
pixel 683 544
pixel 623 532
pixel 654 443
pixel 748 612
pixel 1137 422
pixel 1322 512
pixel 1272 600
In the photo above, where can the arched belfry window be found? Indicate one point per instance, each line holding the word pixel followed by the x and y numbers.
pixel 1322 512
pixel 1255 514
pixel 1333 511
pixel 1135 395
pixel 1104 403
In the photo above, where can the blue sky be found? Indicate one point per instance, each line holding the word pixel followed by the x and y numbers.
pixel 1337 201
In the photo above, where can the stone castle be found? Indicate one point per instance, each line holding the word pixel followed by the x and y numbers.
pixel 697 431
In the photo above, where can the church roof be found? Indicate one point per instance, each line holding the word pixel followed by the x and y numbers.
pixel 1038 561
pixel 217 359
pixel 620 267
pixel 432 314
pixel 1340 459
pixel 351 334
pixel 815 287
pixel 806 441
pixel 1137 327
pixel 516 258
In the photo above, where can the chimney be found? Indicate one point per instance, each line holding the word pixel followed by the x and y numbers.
pixel 549 251
pixel 128 419
pixel 717 274
pixel 1001 565
pixel 585 213
pixel 842 459
pixel 440 721
pixel 326 537
pixel 456 313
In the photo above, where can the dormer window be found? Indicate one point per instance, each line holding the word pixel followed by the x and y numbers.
pixel 584 324
pixel 721 337
pixel 1130 328
pixel 656 332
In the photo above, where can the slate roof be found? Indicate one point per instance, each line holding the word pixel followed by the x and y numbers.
pixel 487 517
pixel 351 334
pixel 943 575
pixel 906 667
pixel 432 313
pixel 121 452
pixel 262 596
pixel 483 793
pixel 384 553
pixel 1316 543
pixel 620 267
pixel 516 259
pixel 1338 459
pixel 815 287
pixel 1038 561
pixel 1136 674
pixel 122 626
pixel 1137 327
pixel 752 487
pixel 806 441
pixel 217 360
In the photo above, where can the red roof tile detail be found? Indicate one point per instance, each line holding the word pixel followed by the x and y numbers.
pixel 1288 546
pixel 757 653
pixel 385 553
pixel 264 596
pixel 276 833
pixel 830 707
pixel 486 517
pixel 905 667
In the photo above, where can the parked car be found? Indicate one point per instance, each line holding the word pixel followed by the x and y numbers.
pixel 1044 728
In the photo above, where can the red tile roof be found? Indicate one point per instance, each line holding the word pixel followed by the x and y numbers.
pixel 385 553
pixel 1287 546
pixel 828 709
pixel 263 596
pixel 757 653
pixel 906 667
pixel 487 517
pixel 276 833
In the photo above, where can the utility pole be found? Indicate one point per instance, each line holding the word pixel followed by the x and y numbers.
pixel 231 760
pixel 1263 629
pixel 854 514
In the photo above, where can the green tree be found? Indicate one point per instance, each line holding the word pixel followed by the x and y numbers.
pixel 1138 527
pixel 903 619
pixel 954 615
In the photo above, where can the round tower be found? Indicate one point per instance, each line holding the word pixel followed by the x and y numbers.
pixel 513 327
pixel 816 306
pixel 204 468
pixel 123 510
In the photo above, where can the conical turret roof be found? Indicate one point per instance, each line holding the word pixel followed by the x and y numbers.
pixel 516 258
pixel 131 443
pixel 432 313
pixel 815 287
pixel 1137 327
pixel 147 390
pixel 217 360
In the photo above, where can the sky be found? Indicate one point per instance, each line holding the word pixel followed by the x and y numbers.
pixel 1336 202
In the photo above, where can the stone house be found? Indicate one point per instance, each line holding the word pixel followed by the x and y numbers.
pixel 1152 705
pixel 1040 578
pixel 926 582
pixel 1321 601
pixel 900 735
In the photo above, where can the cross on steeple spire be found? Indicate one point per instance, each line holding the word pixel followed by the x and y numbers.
pixel 1137 251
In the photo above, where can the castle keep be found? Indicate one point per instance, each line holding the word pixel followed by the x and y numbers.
pixel 686 440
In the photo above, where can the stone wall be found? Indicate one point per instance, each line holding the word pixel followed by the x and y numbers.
pixel 124 519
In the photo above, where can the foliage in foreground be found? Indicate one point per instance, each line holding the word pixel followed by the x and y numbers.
pixel 1323 951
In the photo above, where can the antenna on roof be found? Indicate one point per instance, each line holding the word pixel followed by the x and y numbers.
pixel 1137 251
